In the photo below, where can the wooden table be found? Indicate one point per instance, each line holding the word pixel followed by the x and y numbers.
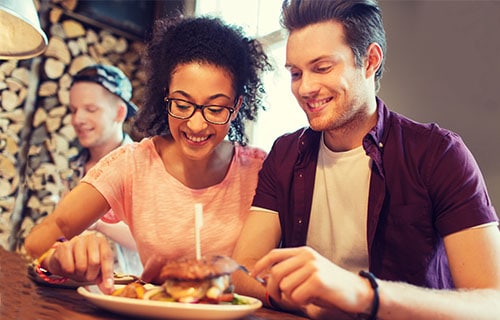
pixel 21 298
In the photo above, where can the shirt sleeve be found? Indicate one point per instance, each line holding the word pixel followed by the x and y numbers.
pixel 266 191
pixel 457 188
pixel 109 176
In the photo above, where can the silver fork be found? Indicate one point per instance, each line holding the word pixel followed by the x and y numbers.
pixel 122 278
pixel 259 279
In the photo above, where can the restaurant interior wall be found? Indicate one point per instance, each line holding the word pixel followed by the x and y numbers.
pixel 442 66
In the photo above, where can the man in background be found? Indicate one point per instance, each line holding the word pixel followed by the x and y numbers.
pixel 100 104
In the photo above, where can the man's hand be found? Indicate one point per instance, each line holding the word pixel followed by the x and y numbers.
pixel 301 276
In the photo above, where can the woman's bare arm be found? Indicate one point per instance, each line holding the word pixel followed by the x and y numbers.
pixel 75 213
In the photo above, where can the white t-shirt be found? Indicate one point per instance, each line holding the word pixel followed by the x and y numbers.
pixel 337 227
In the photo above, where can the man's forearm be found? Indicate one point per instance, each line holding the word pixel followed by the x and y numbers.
pixel 404 301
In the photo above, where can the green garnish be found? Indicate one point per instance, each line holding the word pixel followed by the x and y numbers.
pixel 238 300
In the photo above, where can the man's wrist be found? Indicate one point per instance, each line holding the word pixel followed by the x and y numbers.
pixel 376 299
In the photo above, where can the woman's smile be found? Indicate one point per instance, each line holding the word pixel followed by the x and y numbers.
pixel 196 139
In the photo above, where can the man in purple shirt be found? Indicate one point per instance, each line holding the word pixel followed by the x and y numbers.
pixel 365 188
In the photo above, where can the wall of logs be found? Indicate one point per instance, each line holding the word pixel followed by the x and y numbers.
pixel 36 136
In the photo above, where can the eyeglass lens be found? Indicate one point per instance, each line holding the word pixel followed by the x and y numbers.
pixel 185 109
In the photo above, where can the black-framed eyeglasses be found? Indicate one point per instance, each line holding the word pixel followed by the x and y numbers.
pixel 183 109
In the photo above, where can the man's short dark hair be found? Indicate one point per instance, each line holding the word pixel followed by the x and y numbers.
pixel 361 19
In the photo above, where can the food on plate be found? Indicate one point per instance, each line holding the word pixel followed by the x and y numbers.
pixel 205 280
pixel 134 289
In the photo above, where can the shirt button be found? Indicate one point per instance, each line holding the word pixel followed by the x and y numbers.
pixel 299 221
pixel 381 145
pixel 300 175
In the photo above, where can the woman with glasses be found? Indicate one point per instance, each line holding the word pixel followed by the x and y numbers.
pixel 203 84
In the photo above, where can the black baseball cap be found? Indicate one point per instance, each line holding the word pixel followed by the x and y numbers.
pixel 111 78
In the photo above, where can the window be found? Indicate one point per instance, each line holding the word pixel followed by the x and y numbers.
pixel 260 18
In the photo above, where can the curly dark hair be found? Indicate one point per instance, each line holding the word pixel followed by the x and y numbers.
pixel 179 40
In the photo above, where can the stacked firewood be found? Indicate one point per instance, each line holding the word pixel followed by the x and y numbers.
pixel 36 136
pixel 14 81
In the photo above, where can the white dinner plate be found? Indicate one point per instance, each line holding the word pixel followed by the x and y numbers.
pixel 168 310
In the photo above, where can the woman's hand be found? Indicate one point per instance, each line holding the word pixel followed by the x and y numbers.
pixel 86 258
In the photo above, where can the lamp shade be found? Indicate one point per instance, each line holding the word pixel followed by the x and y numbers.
pixel 21 36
